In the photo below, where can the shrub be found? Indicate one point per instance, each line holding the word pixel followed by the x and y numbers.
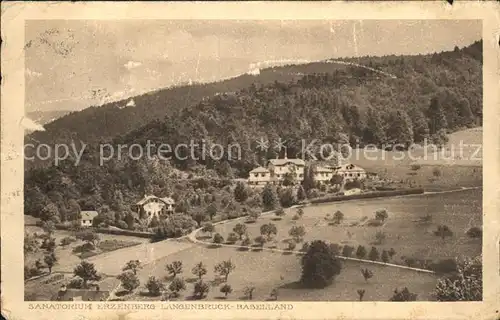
pixel 280 213
pixel 374 254
pixel 248 292
pixel 200 290
pixel 361 252
pixel 403 295
pixel 291 245
pixel 176 286
pixel 154 286
pixel 297 233
pixel 226 289
pixel 260 240
pixel 129 280
pixel 475 232
pixel 218 238
pixel 75 283
pixel 347 251
pixel 367 274
pixel 319 266
pixel 86 247
pixel 335 249
pixel 232 237
pixel 444 266
pixel 385 256
pixel 240 229
pixel 381 215
pixel 67 241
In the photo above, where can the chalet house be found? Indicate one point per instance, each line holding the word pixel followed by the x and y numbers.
pixel 151 206
pixel 280 167
pixel 87 217
pixel 351 172
pixel 259 176
pixel 323 174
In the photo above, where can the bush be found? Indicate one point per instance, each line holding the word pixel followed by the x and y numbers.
pixel 232 238
pixel 67 241
pixel 154 286
pixel 444 266
pixel 86 247
pixel 361 252
pixel 200 290
pixel 218 238
pixel 319 266
pixel 374 254
pixel 226 289
pixel 403 295
pixel 291 245
pixel 75 283
pixel 129 281
pixel 475 232
pixel 347 251
pixel 176 286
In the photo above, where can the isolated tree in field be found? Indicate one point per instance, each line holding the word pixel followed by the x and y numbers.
pixel 232 237
pixel 291 245
pixel 391 253
pixel 87 272
pixel 260 240
pixel 384 256
pixel 361 252
pixel 300 212
pixel 274 294
pixel 174 268
pixel 381 215
pixel 361 294
pixel 374 254
pixel 218 238
pixel 367 274
pixel 132 265
pixel 338 216
pixel 50 260
pixel 154 286
pixel 268 230
pixel 200 290
pixel 379 237
pixel 297 233
pixel 129 281
pixel 319 266
pixel 208 228
pixel 465 285
pixel 269 197
pixel 248 292
pixel 226 289
pixel 475 232
pixel 211 210
pixel 240 229
pixel 443 231
pixel 436 172
pixel 347 251
pixel 280 213
pixel 199 270
pixel 403 295
pixel 240 192
pixel 301 194
pixel 177 285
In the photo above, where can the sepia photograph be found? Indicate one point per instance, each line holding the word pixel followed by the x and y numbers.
pixel 260 162
pixel 255 160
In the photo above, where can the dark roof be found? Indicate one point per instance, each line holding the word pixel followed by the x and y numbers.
pixel 81 294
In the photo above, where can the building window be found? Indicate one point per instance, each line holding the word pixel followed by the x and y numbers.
pixel 256 175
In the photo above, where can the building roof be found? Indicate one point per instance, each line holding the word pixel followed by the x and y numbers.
pixel 81 295
pixel 260 169
pixel 283 162
pixel 89 215
pixel 323 169
pixel 168 200
pixel 351 167
pixel 146 198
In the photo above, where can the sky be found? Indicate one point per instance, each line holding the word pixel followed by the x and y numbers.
pixel 74 64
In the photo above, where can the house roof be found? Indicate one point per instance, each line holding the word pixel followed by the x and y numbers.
pixel 282 162
pixel 259 169
pixel 81 294
pixel 351 167
pixel 146 198
pixel 89 215
pixel 323 169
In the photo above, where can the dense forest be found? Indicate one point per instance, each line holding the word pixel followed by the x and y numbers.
pixel 426 97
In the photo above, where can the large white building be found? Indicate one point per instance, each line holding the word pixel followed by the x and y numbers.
pixel 151 206
pixel 277 169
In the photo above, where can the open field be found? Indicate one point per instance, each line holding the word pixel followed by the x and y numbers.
pixel 459 210
pixel 264 270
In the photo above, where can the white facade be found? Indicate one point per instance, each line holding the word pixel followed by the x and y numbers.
pixel 87 217
pixel 259 176
pixel 152 206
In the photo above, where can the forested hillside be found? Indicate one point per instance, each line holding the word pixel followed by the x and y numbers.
pixel 430 95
